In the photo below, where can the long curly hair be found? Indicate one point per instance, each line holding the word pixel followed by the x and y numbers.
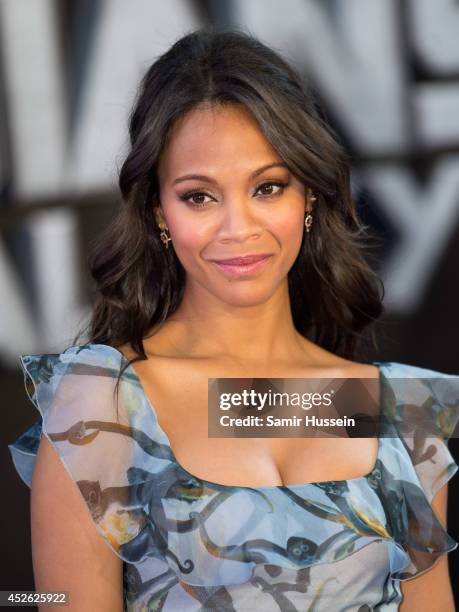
pixel 334 293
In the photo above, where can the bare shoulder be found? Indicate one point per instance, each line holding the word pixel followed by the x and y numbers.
pixel 159 343
pixel 339 366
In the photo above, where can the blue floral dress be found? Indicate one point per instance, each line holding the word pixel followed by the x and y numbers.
pixel 189 544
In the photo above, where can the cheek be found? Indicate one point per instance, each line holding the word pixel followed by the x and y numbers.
pixel 288 227
pixel 190 238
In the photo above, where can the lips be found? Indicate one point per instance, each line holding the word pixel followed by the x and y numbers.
pixel 243 267
pixel 240 261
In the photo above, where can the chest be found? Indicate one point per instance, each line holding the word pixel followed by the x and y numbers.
pixel 179 397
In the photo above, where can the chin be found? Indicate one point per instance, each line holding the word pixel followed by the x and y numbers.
pixel 246 296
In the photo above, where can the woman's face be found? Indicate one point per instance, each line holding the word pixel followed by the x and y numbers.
pixel 225 193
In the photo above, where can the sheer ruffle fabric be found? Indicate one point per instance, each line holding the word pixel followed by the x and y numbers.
pixel 190 544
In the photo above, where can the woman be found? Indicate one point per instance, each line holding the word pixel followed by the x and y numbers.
pixel 230 159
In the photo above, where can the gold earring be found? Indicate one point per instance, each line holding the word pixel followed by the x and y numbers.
pixel 165 237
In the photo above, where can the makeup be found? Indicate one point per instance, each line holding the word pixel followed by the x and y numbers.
pixel 248 268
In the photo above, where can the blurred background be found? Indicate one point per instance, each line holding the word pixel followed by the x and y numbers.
pixel 386 74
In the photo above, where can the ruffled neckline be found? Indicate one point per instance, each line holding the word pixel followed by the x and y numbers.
pixel 130 370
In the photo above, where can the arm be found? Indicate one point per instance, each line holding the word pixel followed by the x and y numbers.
pixel 68 553
pixel 431 591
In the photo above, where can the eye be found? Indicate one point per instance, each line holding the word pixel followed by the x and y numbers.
pixel 269 185
pixel 187 197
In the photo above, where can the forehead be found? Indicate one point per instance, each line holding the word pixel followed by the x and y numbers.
pixel 216 139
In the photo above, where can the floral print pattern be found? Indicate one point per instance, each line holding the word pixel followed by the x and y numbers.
pixel 189 544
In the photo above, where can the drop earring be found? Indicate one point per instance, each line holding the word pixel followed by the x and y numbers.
pixel 160 222
pixel 165 237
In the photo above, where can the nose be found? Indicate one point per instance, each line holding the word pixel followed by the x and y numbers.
pixel 239 219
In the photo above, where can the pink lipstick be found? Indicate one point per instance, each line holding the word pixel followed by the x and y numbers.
pixel 243 266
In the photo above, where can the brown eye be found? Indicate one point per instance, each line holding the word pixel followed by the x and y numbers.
pixel 267 188
pixel 195 198
pixel 198 198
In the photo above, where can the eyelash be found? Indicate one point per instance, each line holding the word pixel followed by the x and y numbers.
pixel 186 196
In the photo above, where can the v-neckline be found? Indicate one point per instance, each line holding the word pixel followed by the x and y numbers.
pixel 154 415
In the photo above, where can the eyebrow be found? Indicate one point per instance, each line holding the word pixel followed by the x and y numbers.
pixel 203 177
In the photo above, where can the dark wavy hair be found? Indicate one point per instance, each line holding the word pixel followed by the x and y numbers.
pixel 334 293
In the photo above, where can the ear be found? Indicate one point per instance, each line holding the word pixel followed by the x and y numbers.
pixel 159 217
pixel 310 199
